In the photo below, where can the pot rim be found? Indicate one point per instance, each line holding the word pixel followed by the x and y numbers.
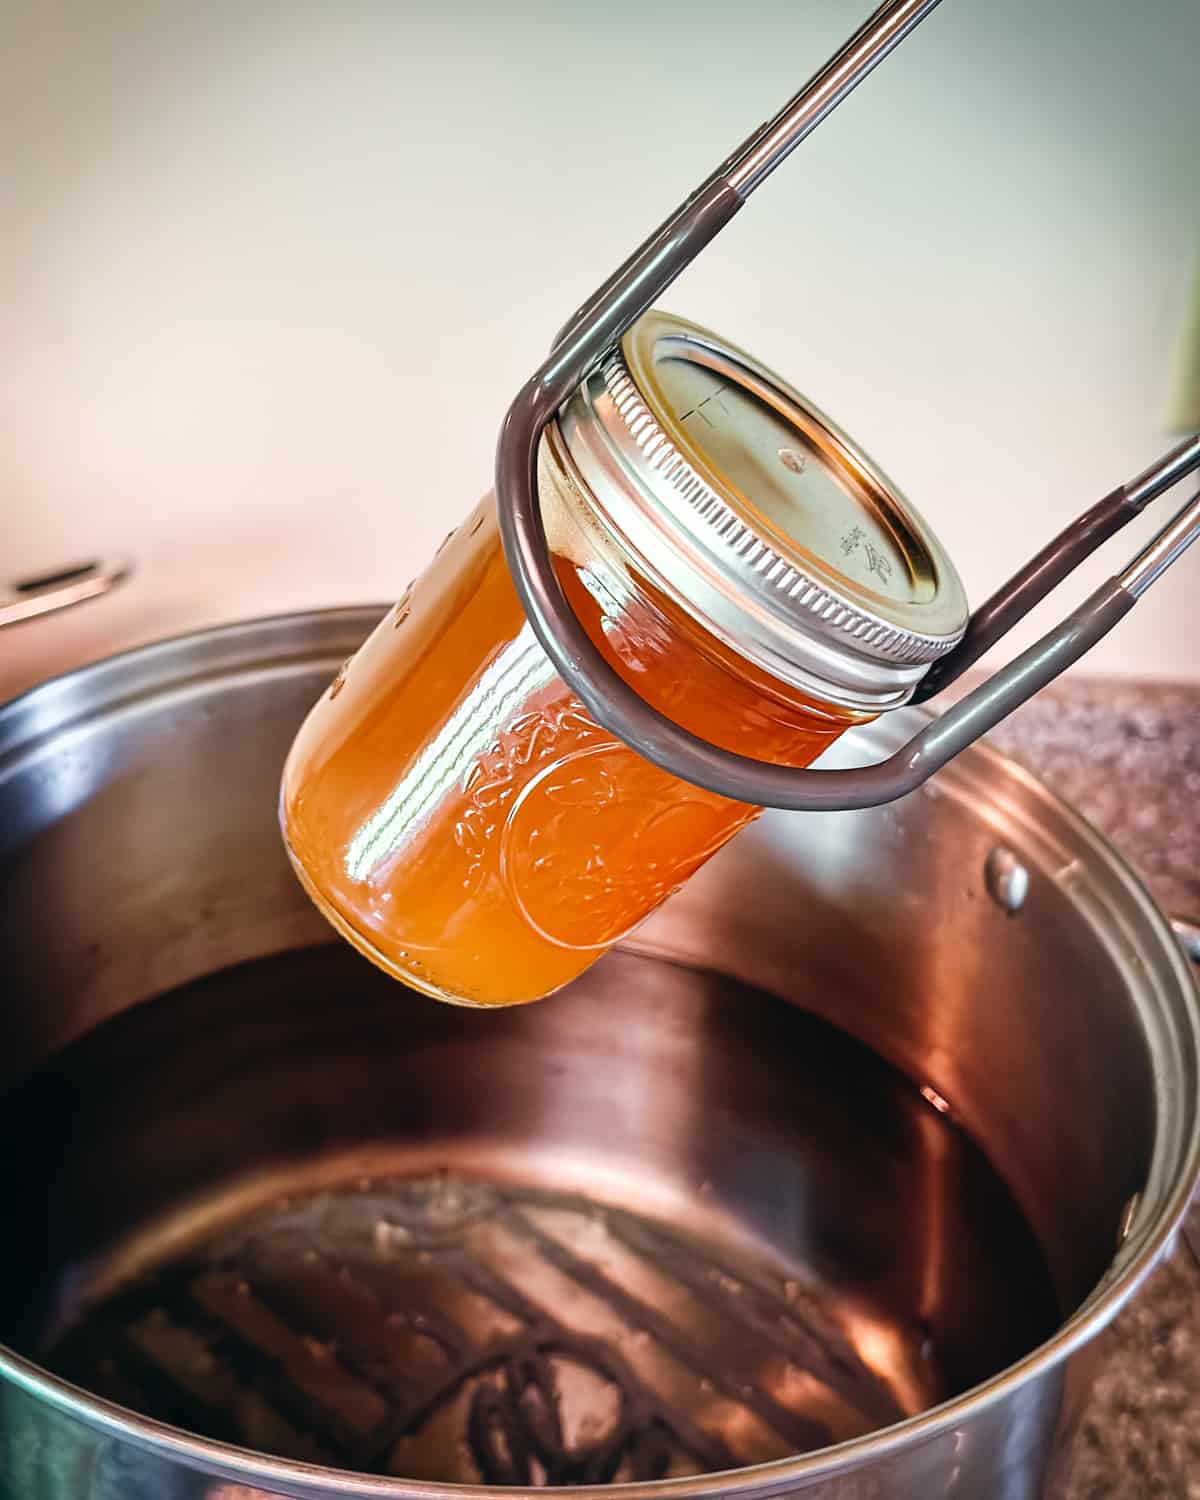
pixel 51 706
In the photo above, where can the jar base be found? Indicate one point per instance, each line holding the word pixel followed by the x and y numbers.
pixel 363 944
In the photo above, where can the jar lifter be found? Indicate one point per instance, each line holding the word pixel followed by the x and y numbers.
pixel 595 329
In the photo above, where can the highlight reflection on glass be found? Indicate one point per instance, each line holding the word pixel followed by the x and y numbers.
pixel 520 670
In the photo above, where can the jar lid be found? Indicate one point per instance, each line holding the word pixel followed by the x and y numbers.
pixel 760 518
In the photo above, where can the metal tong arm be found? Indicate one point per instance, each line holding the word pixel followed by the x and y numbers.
pixel 595 329
pixel 1060 557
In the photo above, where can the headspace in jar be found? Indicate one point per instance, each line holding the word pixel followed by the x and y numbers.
pixel 454 810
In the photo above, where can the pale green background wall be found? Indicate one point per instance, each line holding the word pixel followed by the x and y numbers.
pixel 270 271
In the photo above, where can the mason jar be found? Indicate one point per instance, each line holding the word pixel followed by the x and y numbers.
pixel 449 804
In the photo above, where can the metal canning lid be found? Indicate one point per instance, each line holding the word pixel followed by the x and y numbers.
pixel 761 519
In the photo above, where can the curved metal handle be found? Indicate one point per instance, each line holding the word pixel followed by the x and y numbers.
pixel 595 329
pixel 31 597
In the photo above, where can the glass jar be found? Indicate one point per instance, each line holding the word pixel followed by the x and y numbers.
pixel 449 804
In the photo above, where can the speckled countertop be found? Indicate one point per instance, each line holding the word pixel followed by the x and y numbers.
pixel 1128 756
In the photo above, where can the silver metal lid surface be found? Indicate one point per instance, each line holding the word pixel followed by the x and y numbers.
pixel 755 514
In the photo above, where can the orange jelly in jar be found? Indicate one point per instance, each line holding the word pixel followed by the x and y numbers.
pixel 450 805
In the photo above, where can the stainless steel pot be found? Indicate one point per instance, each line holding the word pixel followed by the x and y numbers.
pixel 651 1150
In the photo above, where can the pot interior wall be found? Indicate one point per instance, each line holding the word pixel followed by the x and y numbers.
pixel 666 1224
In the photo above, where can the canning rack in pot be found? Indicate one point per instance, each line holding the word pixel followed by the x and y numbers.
pixel 594 331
